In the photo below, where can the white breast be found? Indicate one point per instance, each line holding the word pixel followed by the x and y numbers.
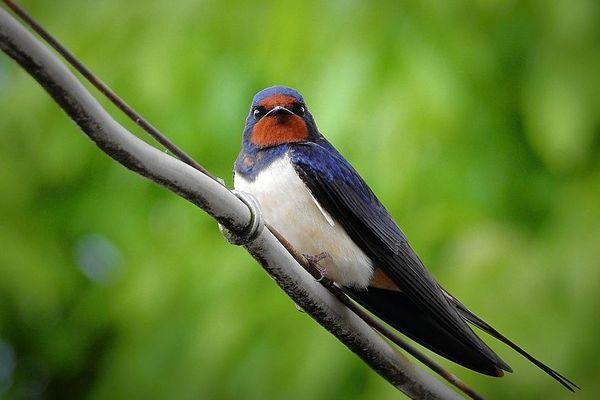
pixel 289 207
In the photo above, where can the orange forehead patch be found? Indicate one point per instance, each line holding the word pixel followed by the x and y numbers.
pixel 277 100
pixel 276 130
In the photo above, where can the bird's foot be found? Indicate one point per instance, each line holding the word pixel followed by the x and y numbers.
pixel 313 261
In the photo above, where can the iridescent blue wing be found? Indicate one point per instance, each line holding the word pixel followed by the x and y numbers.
pixel 347 198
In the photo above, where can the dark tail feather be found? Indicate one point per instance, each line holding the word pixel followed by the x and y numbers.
pixel 396 309
pixel 484 326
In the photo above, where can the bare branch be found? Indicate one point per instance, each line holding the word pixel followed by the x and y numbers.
pixel 220 203
pixel 105 90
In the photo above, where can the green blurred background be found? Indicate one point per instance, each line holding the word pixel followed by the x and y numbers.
pixel 477 123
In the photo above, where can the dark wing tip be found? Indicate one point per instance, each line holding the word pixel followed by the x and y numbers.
pixel 396 309
pixel 504 366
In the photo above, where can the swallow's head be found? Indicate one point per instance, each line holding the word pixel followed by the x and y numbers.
pixel 278 115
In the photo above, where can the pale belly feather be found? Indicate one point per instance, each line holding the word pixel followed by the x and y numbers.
pixel 289 207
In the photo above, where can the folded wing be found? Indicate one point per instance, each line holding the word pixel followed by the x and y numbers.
pixel 346 197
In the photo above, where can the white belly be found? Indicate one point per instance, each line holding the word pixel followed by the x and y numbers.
pixel 289 207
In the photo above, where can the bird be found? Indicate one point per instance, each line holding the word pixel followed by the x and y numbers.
pixel 314 198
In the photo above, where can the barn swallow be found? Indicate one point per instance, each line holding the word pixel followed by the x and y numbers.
pixel 313 196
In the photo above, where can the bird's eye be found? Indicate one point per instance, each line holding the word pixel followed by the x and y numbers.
pixel 258 113
pixel 299 110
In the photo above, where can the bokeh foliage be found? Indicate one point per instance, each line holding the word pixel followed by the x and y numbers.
pixel 477 123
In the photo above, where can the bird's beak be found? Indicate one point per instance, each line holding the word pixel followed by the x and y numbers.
pixel 279 110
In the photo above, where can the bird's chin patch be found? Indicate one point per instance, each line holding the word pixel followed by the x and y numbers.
pixel 279 129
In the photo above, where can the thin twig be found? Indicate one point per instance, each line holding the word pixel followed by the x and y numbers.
pixel 105 90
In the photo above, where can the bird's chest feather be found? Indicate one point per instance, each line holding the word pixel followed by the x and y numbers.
pixel 289 207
